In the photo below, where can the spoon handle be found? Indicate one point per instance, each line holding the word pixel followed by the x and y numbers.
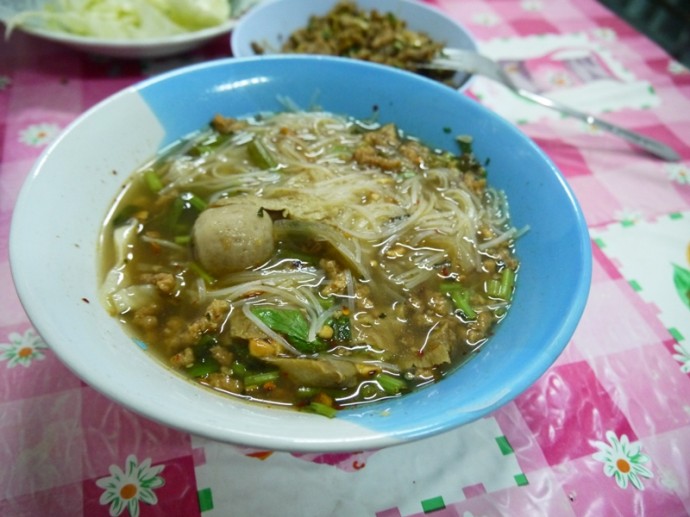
pixel 652 146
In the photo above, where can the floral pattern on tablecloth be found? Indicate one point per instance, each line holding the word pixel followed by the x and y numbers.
pixel 23 349
pixel 623 461
pixel 128 488
pixel 605 431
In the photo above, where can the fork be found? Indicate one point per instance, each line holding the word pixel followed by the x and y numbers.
pixel 474 63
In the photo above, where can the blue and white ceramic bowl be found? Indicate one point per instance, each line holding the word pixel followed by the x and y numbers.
pixel 54 239
pixel 270 24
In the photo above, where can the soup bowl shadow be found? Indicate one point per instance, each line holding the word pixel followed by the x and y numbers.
pixel 69 190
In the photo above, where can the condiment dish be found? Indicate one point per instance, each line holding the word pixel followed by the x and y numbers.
pixel 272 22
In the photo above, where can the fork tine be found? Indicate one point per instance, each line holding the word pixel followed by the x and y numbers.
pixel 472 62
pixel 455 51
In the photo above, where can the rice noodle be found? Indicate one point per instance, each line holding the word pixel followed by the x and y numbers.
pixel 503 237
pixel 165 243
pixel 318 322
pixel 366 228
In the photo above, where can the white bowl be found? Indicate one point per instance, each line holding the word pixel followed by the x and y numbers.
pixel 272 22
pixel 60 209
pixel 135 49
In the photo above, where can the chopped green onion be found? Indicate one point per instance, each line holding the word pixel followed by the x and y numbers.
pixel 153 182
pixel 342 333
pixel 391 385
pixel 493 288
pixel 460 297
pixel 210 144
pixel 322 409
pixel 461 300
pixel 447 287
pixel 183 212
pixel 201 272
pixel 199 150
pixel 326 303
pixel 257 379
pixel 203 368
pixel 207 341
pixel 238 369
pixel 260 155
pixel 507 283
pixel 195 201
pixel 502 288
pixel 183 240
pixel 175 212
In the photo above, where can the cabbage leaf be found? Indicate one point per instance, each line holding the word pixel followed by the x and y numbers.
pixel 125 19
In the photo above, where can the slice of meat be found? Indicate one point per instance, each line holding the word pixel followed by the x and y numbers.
pixel 319 373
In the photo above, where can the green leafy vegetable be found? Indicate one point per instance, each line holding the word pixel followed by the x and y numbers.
pixel 391 385
pixel 205 363
pixel 322 409
pixel 238 369
pixel 201 273
pixel 460 297
pixel 342 333
pixel 195 201
pixel 153 182
pixel 203 368
pixel 209 144
pixel 291 323
pixel 260 155
pixel 502 287
pixel 183 212
pixel 131 20
pixel 257 379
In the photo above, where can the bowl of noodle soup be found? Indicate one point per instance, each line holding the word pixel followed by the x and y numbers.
pixel 291 223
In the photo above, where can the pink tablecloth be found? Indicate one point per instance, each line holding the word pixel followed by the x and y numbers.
pixel 606 431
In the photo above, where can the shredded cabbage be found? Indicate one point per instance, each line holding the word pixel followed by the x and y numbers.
pixel 123 239
pixel 132 298
pixel 125 19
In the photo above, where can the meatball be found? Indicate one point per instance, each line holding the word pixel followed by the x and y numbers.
pixel 233 235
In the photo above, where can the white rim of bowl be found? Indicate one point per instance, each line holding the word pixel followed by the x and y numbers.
pixel 90 41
